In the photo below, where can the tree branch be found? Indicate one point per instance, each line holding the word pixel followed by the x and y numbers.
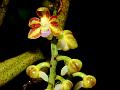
pixel 14 66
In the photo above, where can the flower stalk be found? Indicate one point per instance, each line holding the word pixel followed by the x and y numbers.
pixel 53 62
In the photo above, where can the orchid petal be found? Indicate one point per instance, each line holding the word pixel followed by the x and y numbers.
pixel 64 70
pixel 56 31
pixel 54 21
pixel 70 40
pixel 62 45
pixel 78 85
pixel 66 41
pixel 57 87
pixel 54 26
pixel 53 18
pixel 43 11
pixel 44 76
pixel 34 22
pixel 50 37
pixel 45 33
pixel 34 33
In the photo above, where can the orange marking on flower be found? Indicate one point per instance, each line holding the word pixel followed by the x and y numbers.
pixel 54 24
pixel 39 13
pixel 35 25
pixel 52 17
pixel 47 13
pixel 34 18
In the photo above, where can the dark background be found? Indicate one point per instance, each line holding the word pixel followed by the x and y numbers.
pixel 84 20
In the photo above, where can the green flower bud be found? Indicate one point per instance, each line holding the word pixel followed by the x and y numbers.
pixel 67 41
pixel 74 65
pixel 32 71
pixel 89 81
pixel 66 85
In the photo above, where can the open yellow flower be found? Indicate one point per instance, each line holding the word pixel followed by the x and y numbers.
pixel 46 26
pixel 66 41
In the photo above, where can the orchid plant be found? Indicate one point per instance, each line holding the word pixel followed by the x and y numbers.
pixel 47 26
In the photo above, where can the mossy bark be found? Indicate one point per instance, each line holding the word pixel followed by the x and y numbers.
pixel 12 67
pixel 63 12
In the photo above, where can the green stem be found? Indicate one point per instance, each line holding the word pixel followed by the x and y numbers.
pixel 43 64
pixel 79 74
pixel 59 78
pixel 53 63
pixel 62 18
pixel 64 58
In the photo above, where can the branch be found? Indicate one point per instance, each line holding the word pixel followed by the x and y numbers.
pixel 3 9
pixel 14 66
pixel 63 12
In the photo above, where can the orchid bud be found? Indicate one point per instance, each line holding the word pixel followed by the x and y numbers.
pixel 66 41
pixel 32 71
pixel 74 65
pixel 66 85
pixel 89 81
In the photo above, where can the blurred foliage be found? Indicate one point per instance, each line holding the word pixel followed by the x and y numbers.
pixel 3 9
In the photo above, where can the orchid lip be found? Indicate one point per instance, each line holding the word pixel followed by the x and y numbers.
pixel 45 33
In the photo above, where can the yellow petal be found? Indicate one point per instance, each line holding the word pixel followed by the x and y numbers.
pixel 34 34
pixel 70 40
pixel 62 45
pixel 66 41
pixel 43 11
pixel 34 21
pixel 56 31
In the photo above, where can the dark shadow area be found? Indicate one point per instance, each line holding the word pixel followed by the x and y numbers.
pixel 82 20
